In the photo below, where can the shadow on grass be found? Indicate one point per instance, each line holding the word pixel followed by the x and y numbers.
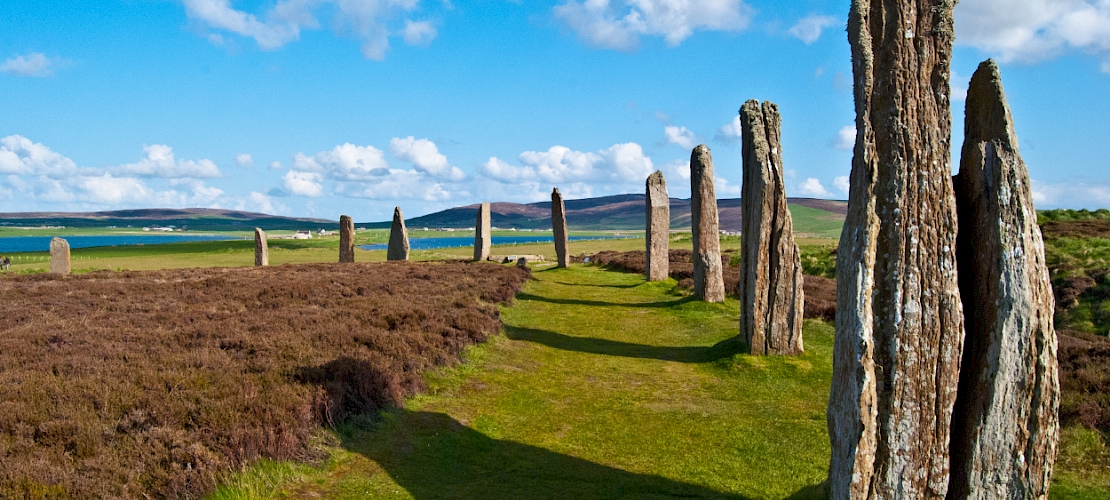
pixel 692 354
pixel 598 286
pixel 434 456
pixel 598 303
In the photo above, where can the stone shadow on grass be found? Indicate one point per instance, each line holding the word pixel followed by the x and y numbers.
pixel 433 456
pixel 682 354
pixel 598 303
pixel 634 285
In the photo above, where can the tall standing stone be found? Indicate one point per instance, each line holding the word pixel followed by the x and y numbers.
pixel 482 240
pixel 346 239
pixel 59 256
pixel 261 248
pixel 559 227
pixel 398 248
pixel 709 282
pixel 1005 424
pixel 658 228
pixel 899 322
pixel 771 297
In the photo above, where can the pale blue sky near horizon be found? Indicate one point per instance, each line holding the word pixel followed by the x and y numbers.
pixel 322 107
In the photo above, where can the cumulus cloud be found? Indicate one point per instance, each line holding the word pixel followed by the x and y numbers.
pixel 276 165
pixel 809 28
pixel 19 155
pixel 679 135
pixel 841 184
pixel 619 24
pixel 1075 195
pixel 303 183
pixel 345 162
pixel 1035 30
pixel 259 202
pixel 244 160
pixel 366 20
pixel 812 187
pixel 845 138
pixel 731 132
pixel 618 164
pixel 33 64
pixel 425 156
pixel 160 162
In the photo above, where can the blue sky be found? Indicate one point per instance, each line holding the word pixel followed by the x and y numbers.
pixel 328 107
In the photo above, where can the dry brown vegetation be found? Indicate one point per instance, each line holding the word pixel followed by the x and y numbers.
pixel 133 384
pixel 820 292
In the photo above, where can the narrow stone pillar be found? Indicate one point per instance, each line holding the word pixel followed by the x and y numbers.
pixel 482 240
pixel 261 248
pixel 771 297
pixel 658 233
pixel 559 228
pixel 709 282
pixel 899 322
pixel 59 256
pixel 1005 424
pixel 346 239
pixel 398 248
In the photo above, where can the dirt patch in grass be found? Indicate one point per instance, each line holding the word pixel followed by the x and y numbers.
pixel 820 292
pixel 136 384
pixel 1076 229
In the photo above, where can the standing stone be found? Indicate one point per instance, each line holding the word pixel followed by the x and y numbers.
pixel 1005 424
pixel 559 227
pixel 658 228
pixel 709 282
pixel 59 256
pixel 771 297
pixel 346 239
pixel 398 248
pixel 261 248
pixel 899 322
pixel 482 239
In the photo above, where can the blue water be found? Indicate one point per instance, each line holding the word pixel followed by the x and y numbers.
pixel 42 243
pixel 468 241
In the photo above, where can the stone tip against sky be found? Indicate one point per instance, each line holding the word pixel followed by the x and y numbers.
pixel 324 107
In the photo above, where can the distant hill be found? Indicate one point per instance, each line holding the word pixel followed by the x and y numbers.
pixel 623 212
pixel 196 219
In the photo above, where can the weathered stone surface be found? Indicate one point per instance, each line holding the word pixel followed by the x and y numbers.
pixel 709 282
pixel 59 256
pixel 559 228
pixel 899 322
pixel 482 239
pixel 771 295
pixel 261 248
pixel 658 227
pixel 398 248
pixel 346 239
pixel 1005 423
pixel 522 263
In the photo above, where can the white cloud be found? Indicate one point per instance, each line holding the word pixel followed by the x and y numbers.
pixel 244 160
pixel 731 132
pixel 303 183
pixel 276 165
pixel 32 64
pixel 160 162
pixel 680 168
pixel 1071 195
pixel 845 138
pixel 364 19
pixel 496 168
pixel 721 187
pixel 419 34
pixel 1035 30
pixel 809 28
pixel 619 24
pixel 425 156
pixel 259 202
pixel 620 164
pixel 679 135
pixel 841 184
pixel 18 155
pixel 345 162
pixel 959 85
pixel 813 188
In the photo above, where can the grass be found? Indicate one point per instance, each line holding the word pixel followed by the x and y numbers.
pixel 815 223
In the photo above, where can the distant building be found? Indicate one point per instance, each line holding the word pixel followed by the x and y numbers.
pixel 302 235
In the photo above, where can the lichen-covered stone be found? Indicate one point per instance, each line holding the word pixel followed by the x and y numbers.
pixel 1005 424
pixel 709 282
pixel 398 248
pixel 482 239
pixel 658 233
pixel 559 228
pixel 899 321
pixel 346 239
pixel 261 248
pixel 771 296
pixel 59 256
